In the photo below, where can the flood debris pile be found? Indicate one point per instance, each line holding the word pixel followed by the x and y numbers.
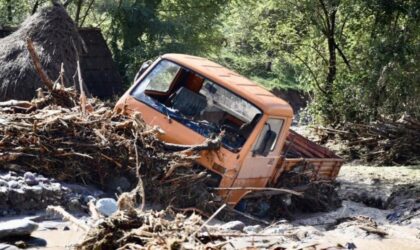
pixel 96 147
pixel 149 230
pixel 79 140
pixel 385 142
pixel 58 42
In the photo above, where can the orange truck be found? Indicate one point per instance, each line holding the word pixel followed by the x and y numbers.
pixel 193 99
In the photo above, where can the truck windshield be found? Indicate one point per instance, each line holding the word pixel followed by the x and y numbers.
pixel 226 100
pixel 198 103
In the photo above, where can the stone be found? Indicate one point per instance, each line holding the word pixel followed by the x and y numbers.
pixel 36 243
pixel 21 227
pixel 3 183
pixel 43 180
pixel 88 198
pixel 36 191
pixel 278 229
pixel 21 244
pixel 4 246
pixel 106 206
pixel 350 245
pixel 30 179
pixel 252 229
pixel 17 197
pixel 13 184
pixel 55 187
pixel 233 225
pixel 74 204
pixel 28 175
pixel 302 234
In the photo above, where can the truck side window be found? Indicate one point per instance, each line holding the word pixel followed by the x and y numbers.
pixel 161 77
pixel 275 126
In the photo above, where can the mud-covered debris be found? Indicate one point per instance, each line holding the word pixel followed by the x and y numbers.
pixel 385 142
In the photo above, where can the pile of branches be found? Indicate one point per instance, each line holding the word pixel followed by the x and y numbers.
pixel 94 147
pixel 74 139
pixel 385 142
pixel 136 229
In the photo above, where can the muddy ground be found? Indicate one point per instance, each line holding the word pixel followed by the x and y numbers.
pixel 380 210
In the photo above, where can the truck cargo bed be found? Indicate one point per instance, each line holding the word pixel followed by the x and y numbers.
pixel 303 155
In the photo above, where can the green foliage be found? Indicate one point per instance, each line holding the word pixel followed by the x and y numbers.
pixel 139 30
pixel 365 67
pixel 13 12
pixel 284 43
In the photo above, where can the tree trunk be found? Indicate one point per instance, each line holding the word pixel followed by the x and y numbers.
pixel 329 15
pixel 78 9
pixel 9 11
pixel 332 71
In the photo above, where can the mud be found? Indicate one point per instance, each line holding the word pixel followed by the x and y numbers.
pixel 355 223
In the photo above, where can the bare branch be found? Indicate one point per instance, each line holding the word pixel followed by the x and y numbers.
pixel 347 62
pixel 310 71
pixel 324 9
pixel 86 13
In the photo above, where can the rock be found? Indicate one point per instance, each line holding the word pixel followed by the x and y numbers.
pixel 21 244
pixel 277 229
pixel 350 245
pixel 252 229
pixel 30 179
pixel 13 184
pixel 88 198
pixel 36 243
pixel 4 246
pixel 3 183
pixel 43 180
pixel 74 205
pixel 106 206
pixel 302 234
pixel 233 225
pixel 55 187
pixel 17 198
pixel 36 191
pixel 17 228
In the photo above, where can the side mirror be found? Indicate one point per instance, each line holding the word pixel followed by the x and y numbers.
pixel 143 68
pixel 266 143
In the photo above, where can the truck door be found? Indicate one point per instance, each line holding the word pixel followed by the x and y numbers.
pixel 260 162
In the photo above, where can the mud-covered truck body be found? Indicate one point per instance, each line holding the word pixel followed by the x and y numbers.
pixel 193 99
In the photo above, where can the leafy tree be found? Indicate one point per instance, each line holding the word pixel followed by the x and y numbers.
pixel 142 29
pixel 358 58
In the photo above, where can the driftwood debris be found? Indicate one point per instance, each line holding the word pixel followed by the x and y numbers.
pixel 59 139
pixel 385 142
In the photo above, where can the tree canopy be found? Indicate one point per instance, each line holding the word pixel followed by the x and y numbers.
pixel 358 60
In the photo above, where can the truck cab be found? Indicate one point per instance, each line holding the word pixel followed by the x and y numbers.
pixel 193 99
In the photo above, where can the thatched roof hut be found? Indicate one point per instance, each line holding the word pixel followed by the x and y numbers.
pixel 56 39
